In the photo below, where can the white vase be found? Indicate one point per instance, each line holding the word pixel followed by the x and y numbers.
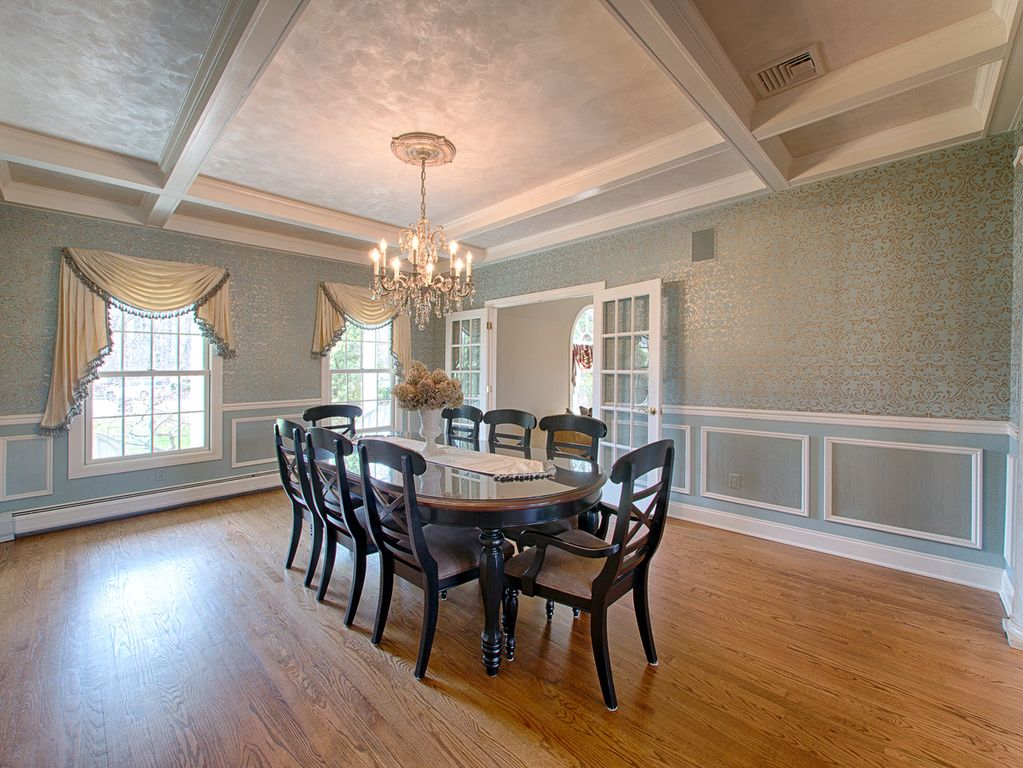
pixel 430 429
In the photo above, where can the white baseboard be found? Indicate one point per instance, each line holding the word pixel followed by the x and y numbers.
pixel 1007 592
pixel 986 577
pixel 68 515
pixel 1013 633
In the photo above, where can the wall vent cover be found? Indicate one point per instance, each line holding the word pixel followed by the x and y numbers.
pixel 788 71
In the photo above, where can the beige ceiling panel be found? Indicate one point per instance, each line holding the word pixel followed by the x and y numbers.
pixel 754 32
pixel 106 73
pixel 528 91
pixel 931 99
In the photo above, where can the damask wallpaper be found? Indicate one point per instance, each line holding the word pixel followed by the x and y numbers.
pixel 887 291
pixel 1017 287
pixel 273 295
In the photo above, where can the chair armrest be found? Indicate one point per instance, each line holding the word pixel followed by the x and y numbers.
pixel 543 540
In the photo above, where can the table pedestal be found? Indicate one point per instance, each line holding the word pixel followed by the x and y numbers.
pixel 491 588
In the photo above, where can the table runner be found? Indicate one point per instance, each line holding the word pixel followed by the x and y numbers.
pixel 502 467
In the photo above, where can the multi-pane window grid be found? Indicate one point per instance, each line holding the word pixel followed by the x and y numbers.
pixel 362 374
pixel 625 381
pixel 466 344
pixel 152 394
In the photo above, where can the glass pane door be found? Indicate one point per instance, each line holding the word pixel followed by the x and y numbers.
pixel 627 335
pixel 465 355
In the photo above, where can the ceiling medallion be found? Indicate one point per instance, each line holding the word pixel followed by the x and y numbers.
pixel 421 290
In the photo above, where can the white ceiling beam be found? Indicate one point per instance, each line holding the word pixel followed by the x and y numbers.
pixel 5 179
pixel 731 188
pixel 60 156
pixel 1004 107
pixel 973 42
pixel 678 149
pixel 69 202
pixel 930 133
pixel 246 37
pixel 274 240
pixel 232 197
pixel 674 33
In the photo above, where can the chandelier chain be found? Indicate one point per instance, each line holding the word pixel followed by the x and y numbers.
pixel 422 189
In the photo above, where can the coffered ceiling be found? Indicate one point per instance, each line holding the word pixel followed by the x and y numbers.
pixel 269 121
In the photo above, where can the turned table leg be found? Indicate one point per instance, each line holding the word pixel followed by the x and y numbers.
pixel 491 588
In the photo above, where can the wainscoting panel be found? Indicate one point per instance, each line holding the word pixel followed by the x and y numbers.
pixel 927 491
pixel 770 470
pixel 682 471
pixel 252 440
pixel 27 462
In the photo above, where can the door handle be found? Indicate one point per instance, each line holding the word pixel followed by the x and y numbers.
pixel 653 411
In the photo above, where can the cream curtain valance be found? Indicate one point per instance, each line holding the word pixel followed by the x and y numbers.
pixel 337 302
pixel 92 280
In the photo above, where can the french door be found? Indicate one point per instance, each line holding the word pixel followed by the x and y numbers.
pixel 468 346
pixel 627 366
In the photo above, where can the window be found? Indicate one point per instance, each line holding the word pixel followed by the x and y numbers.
pixel 154 400
pixel 360 371
pixel 582 360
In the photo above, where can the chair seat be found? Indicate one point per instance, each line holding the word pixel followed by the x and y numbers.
pixel 561 570
pixel 456 550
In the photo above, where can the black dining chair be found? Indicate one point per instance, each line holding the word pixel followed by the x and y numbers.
pixel 434 557
pixel 509 417
pixel 289 437
pixel 588 573
pixel 343 413
pixel 341 512
pixel 462 425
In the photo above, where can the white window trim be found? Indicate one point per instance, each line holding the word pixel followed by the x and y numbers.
pixel 77 466
pixel 325 394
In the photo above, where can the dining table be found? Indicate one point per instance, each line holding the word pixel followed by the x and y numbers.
pixel 484 498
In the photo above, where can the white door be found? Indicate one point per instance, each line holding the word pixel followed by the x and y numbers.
pixel 627 366
pixel 467 348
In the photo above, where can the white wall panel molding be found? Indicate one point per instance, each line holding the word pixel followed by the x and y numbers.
pixel 968 426
pixel 1008 548
pixel 804 467
pixel 682 484
pixel 985 577
pixel 19 419
pixel 235 464
pixel 6 494
pixel 43 519
pixel 265 405
pixel 975 456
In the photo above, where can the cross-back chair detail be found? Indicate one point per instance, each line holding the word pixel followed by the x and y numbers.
pixel 288 439
pixel 589 573
pixel 338 508
pixel 343 412
pixel 502 417
pixel 463 424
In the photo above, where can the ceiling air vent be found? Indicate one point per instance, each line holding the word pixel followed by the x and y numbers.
pixel 789 71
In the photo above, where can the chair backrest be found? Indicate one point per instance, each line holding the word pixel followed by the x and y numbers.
pixel 324 465
pixel 342 412
pixel 394 522
pixel 568 433
pixel 288 438
pixel 463 423
pixel 642 509
pixel 509 417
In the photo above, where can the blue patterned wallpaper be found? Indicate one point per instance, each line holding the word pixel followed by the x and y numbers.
pixel 1017 288
pixel 887 291
pixel 273 295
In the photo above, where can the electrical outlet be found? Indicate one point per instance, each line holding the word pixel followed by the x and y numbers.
pixel 161 474
pixel 733 481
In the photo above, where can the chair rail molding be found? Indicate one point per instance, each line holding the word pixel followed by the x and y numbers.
pixel 266 405
pixel 976 456
pixel 923 423
pixel 803 510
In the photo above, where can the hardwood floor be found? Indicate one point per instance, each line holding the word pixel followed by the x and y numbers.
pixel 179 639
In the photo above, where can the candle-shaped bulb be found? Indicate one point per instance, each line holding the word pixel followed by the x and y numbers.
pixel 429 269
pixel 383 246
pixel 468 264
pixel 397 266
pixel 458 267
pixel 415 242
pixel 452 248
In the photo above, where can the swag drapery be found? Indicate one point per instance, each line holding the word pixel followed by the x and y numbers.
pixel 338 303
pixel 90 281
pixel 582 356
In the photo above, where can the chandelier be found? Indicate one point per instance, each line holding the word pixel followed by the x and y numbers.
pixel 422 290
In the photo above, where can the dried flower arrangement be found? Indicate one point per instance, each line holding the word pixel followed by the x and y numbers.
pixel 422 390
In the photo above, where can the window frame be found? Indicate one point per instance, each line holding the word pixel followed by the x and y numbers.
pixel 80 465
pixel 325 388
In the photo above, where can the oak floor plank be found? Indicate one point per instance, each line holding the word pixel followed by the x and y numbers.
pixel 179 639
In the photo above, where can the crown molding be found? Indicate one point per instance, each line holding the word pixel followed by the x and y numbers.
pixel 729 189
pixel 69 202
pixel 5 179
